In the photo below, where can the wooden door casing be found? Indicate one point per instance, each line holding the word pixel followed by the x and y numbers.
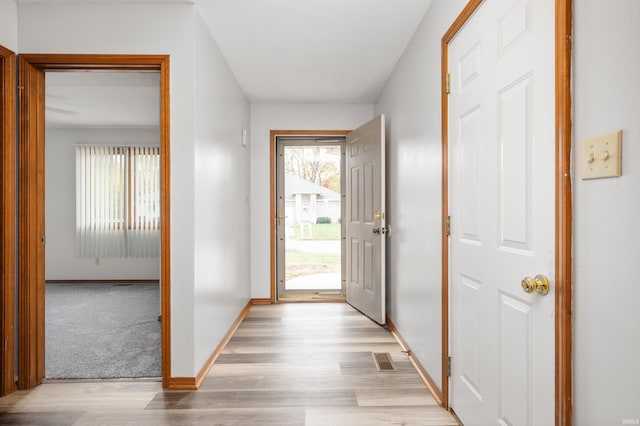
pixel 7 219
pixel 31 200
pixel 563 206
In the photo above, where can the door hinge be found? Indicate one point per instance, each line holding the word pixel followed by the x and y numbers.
pixel 449 367
pixel 447 226
pixel 447 84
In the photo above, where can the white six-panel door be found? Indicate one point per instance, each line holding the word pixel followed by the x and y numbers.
pixel 365 215
pixel 502 204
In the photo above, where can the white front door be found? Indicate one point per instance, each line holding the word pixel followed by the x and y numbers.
pixel 502 206
pixel 365 219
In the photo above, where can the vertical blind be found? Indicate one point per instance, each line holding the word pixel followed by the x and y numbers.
pixel 117 201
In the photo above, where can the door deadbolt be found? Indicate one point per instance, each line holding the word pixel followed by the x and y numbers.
pixel 380 231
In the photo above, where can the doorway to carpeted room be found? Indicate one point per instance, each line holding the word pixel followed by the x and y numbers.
pixel 102 331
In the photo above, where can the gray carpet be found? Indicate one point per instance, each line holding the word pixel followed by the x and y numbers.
pixel 102 331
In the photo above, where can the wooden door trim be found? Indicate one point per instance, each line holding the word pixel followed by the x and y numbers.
pixel 563 207
pixel 564 217
pixel 272 197
pixel 7 218
pixel 31 225
pixel 31 199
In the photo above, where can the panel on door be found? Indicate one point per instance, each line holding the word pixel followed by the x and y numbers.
pixel 366 223
pixel 501 204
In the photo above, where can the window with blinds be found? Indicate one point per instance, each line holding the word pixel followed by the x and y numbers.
pixel 117 201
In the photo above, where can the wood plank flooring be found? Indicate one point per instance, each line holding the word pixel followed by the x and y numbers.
pixel 287 364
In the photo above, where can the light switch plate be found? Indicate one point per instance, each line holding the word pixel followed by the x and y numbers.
pixel 602 156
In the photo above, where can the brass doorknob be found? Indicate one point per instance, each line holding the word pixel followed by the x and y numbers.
pixel 540 284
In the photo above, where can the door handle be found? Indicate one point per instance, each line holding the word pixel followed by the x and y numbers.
pixel 540 284
pixel 279 218
pixel 382 230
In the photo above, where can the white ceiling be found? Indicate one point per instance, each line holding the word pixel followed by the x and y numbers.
pixel 281 51
pixel 102 99
pixel 312 51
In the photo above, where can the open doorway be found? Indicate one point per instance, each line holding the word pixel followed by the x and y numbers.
pixel 310 240
pixel 363 225
pixel 31 196
pixel 102 215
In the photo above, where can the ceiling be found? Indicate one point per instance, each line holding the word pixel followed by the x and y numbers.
pixel 312 51
pixel 281 51
pixel 102 99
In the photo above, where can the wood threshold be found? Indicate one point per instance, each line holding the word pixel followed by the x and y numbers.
pixel 563 208
pixel 272 197
pixel 280 301
pixel 422 372
pixel 31 198
pixel 7 219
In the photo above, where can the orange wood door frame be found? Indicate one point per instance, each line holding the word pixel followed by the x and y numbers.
pixel 274 134
pixel 7 219
pixel 31 224
pixel 563 208
pixel 31 199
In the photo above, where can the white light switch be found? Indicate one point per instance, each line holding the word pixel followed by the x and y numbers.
pixel 602 156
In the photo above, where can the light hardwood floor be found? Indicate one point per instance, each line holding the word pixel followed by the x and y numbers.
pixel 287 364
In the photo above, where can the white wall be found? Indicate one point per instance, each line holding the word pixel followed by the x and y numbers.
pixel 606 226
pixel 411 102
pixel 93 28
pixel 267 117
pixel 606 98
pixel 9 24
pixel 61 262
pixel 221 219
pixel 160 29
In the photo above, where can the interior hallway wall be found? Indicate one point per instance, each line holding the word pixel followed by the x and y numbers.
pixel 412 104
pixel 606 226
pixel 170 29
pixel 9 24
pixel 267 117
pixel 61 262
pixel 221 215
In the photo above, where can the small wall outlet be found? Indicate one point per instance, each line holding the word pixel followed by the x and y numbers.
pixel 602 156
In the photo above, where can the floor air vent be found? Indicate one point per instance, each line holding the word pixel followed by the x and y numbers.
pixel 383 361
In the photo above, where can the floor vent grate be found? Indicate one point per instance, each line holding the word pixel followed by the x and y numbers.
pixel 383 361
